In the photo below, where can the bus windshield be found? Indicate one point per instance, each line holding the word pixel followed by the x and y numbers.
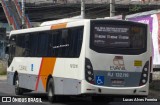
pixel 108 36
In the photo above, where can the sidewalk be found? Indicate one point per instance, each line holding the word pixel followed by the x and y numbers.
pixel 3 77
pixel 154 89
pixel 155 85
pixel 154 94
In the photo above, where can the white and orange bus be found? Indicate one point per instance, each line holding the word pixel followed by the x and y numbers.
pixel 95 57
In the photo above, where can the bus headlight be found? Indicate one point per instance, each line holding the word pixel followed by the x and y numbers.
pixel 144 74
pixel 89 75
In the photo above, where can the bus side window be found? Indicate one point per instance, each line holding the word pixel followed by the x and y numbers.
pixel 64 33
pixel 20 48
pixel 13 44
pixel 33 44
pixel 75 42
pixel 54 42
pixel 27 45
pixel 43 43
pixel 80 39
pixel 64 43
pixel 11 49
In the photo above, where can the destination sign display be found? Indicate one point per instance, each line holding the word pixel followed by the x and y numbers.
pixel 111 36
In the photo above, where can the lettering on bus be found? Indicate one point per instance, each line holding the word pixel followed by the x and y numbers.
pixel 60 46
pixel 22 67
pixel 118 63
pixel 111 36
pixel 117 37
pixel 110 74
pixel 122 75
pixel 118 75
pixel 117 68
pixel 73 66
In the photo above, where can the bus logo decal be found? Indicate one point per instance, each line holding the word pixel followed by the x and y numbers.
pixel 118 63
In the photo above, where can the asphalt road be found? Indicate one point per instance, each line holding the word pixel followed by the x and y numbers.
pixel 8 90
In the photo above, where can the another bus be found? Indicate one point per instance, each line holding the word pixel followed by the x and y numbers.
pixel 91 57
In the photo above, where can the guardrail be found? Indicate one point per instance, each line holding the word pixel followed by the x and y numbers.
pixel 18 7
pixel 11 16
pixel 8 14
pixel 20 13
pixel 28 21
pixel 17 26
pixel 6 11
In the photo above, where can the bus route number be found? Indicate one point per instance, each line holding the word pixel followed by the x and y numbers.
pixel 73 66
pixel 119 75
pixel 122 75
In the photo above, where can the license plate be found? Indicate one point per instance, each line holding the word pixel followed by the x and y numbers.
pixel 117 81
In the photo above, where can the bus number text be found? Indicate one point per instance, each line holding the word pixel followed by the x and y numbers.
pixel 119 75
pixel 73 66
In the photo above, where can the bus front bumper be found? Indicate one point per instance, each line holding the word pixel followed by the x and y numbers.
pixel 87 88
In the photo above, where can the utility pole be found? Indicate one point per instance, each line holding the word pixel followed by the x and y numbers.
pixel 112 8
pixel 23 14
pixel 82 9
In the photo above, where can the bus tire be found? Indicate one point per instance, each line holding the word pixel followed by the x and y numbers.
pixel 18 90
pixel 50 90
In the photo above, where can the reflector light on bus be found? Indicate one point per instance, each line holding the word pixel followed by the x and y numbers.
pixel 89 75
pixel 144 75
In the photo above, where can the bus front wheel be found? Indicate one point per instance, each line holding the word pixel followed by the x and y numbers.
pixel 18 90
pixel 50 91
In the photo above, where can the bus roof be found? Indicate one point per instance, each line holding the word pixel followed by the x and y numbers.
pixel 35 29
pixel 56 24
pixel 46 26
pixel 47 23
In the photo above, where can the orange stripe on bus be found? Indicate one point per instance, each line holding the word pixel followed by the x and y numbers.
pixel 59 26
pixel 37 82
pixel 46 69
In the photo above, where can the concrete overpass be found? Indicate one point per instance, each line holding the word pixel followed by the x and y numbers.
pixel 43 11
